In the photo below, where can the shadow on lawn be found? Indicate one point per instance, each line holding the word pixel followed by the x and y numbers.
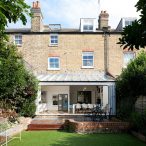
pixel 98 140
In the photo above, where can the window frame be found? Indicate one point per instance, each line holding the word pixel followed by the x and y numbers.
pixel 88 26
pixel 52 35
pixel 49 67
pixel 128 52
pixel 19 39
pixel 86 59
pixel 128 22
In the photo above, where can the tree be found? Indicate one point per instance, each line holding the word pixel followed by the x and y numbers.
pixel 18 87
pixel 12 11
pixel 134 36
pixel 131 84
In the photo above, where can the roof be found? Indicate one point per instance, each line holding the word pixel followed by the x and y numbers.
pixel 96 76
pixel 61 31
pixel 18 30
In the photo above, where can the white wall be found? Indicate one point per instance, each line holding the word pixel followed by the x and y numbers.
pixel 40 107
pixel 105 95
pixel 54 90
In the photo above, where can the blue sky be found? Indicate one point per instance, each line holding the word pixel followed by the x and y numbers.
pixel 68 12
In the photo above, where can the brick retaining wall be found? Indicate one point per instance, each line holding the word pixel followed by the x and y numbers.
pixel 96 127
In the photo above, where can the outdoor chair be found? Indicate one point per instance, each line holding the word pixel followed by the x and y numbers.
pixel 90 107
pixel 84 107
pixel 78 107
pixel 107 111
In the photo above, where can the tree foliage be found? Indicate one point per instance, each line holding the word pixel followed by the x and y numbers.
pixel 131 83
pixel 134 36
pixel 12 11
pixel 17 85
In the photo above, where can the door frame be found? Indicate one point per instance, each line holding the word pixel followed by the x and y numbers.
pixel 62 109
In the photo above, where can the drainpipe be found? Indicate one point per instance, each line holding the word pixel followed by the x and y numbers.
pixel 106 49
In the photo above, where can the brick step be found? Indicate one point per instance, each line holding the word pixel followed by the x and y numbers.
pixel 45 127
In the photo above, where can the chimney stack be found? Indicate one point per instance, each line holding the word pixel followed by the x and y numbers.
pixel 36 20
pixel 103 20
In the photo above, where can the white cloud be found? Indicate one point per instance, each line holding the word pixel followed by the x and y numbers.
pixel 69 12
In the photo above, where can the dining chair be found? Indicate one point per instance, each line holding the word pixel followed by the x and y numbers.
pixel 78 107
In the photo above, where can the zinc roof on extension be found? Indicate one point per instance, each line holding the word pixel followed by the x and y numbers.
pixel 96 76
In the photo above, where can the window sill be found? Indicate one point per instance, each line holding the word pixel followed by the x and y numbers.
pixel 55 45
pixel 17 45
pixel 53 69
pixel 84 67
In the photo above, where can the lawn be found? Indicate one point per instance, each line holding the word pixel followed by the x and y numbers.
pixel 56 138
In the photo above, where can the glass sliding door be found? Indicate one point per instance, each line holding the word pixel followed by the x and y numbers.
pixel 63 102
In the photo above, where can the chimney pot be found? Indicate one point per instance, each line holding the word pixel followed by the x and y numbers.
pixel 103 20
pixel 38 4
pixel 33 4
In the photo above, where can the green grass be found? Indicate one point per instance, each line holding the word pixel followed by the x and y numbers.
pixel 56 138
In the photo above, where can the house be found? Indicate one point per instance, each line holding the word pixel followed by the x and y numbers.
pixel 72 65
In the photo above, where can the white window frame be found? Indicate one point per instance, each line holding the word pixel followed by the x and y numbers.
pixel 83 54
pixel 49 67
pixel 128 52
pixel 19 39
pixel 53 44
pixel 88 22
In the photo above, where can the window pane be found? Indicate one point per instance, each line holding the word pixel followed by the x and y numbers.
pixel 88 27
pixel 88 59
pixel 90 62
pixel 54 62
pixel 51 60
pixel 85 57
pixel 56 65
pixel 18 39
pixel 85 63
pixel 54 39
pixel 128 57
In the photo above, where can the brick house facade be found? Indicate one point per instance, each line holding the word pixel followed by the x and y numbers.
pixel 71 63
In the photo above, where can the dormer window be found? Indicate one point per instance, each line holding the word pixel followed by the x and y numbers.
pixel 128 22
pixel 125 21
pixel 87 25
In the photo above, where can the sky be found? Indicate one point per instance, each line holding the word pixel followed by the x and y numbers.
pixel 68 12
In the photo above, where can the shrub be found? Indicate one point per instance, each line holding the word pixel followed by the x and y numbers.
pixel 131 84
pixel 138 122
pixel 28 109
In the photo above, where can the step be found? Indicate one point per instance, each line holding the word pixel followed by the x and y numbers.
pixel 45 127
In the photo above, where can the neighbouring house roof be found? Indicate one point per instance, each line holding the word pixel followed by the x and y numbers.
pixel 96 76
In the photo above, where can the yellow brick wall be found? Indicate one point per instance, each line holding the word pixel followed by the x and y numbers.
pixel 35 50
